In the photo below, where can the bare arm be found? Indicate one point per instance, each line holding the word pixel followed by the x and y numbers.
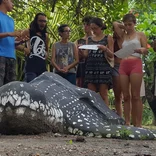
pixel 47 46
pixel 81 52
pixel 10 34
pixel 53 58
pixel 85 52
pixel 119 29
pixel 109 49
pixel 143 41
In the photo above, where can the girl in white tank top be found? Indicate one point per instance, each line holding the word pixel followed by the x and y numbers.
pixel 131 69
pixel 137 43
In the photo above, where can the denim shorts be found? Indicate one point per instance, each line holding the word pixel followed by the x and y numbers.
pixel 71 77
pixel 115 70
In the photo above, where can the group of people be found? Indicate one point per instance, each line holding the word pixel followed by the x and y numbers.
pixel 36 48
pixel 98 70
pixel 103 70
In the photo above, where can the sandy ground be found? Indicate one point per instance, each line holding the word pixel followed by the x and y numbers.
pixel 50 145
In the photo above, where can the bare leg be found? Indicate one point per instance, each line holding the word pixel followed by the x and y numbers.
pixel 118 95
pixel 103 89
pixel 141 112
pixel 92 87
pixel 124 81
pixel 142 93
pixel 78 82
pixel 137 108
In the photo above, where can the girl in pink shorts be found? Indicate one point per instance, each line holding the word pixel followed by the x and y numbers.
pixel 130 69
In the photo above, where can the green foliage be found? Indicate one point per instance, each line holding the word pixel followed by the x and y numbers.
pixel 111 98
pixel 20 65
pixel 124 133
pixel 147 114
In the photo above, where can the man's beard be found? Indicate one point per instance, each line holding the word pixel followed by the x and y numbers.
pixel 41 30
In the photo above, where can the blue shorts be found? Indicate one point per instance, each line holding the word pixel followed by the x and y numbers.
pixel 115 70
pixel 71 77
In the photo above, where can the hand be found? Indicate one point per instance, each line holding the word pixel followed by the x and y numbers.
pixel 61 70
pixel 22 38
pixel 140 50
pixel 121 26
pixel 19 40
pixel 16 34
pixel 66 69
pixel 102 47
pixel 79 45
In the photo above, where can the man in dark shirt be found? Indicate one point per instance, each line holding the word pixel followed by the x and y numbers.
pixel 38 47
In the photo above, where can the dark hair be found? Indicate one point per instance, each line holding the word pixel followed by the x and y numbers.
pixel 34 26
pixel 129 18
pixel 61 28
pixel 1 2
pixel 87 19
pixel 99 22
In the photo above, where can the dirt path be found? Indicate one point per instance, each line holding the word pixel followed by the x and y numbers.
pixel 48 145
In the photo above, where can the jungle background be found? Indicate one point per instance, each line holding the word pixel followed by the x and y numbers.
pixel 71 12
